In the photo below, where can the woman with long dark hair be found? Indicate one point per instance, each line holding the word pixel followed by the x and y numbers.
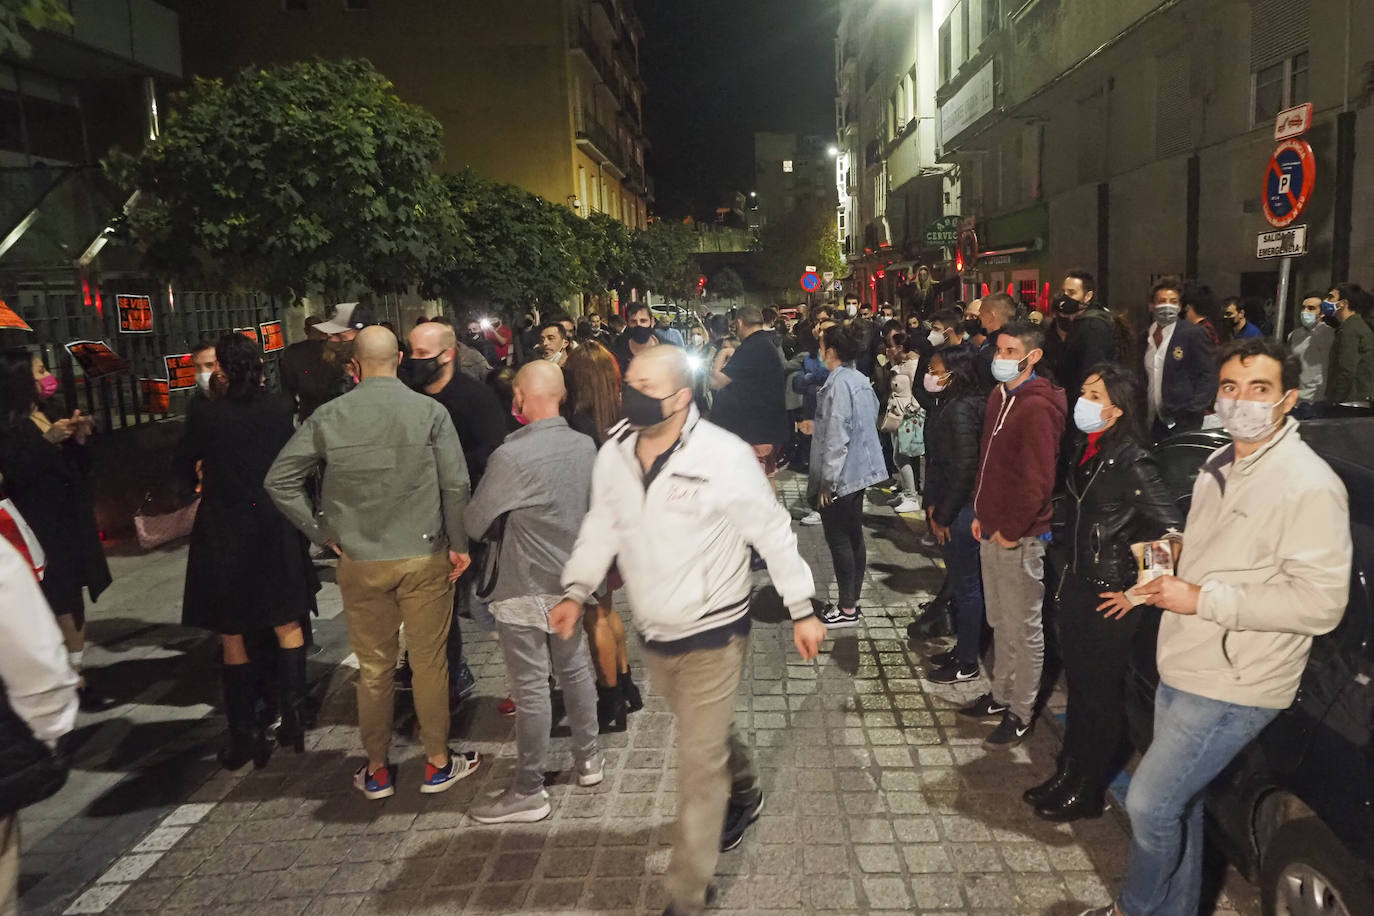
pixel 47 470
pixel 593 377
pixel 249 569
pixel 1114 498
pixel 954 429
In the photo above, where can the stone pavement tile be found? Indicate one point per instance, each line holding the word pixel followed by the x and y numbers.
pixel 440 902
pixel 877 859
pixel 886 893
pixel 506 897
pixel 228 860
pixel 1038 890
pixel 937 892
pixel 927 858
pixel 1028 857
pixel 825 860
pixel 829 892
pixel 612 895
pixel 336 905
pixel 146 895
pixel 989 891
pixel 916 829
pixel 198 891
pixel 975 857
pixel 302 881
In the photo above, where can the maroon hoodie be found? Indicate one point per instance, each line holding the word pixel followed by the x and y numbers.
pixel 1021 433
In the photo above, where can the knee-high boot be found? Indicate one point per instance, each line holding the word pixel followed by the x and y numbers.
pixel 240 709
pixel 291 683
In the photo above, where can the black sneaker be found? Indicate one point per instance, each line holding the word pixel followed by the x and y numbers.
pixel 1010 732
pixel 985 707
pixel 738 816
pixel 952 673
pixel 461 683
pixel 836 619
pixel 940 659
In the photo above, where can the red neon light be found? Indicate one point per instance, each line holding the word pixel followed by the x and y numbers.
pixel 99 304
pixel 959 262
pixel 986 291
pixel 881 274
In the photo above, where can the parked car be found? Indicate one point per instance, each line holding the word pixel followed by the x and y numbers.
pixel 1295 811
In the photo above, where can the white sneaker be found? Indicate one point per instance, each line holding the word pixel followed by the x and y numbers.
pixel 512 808
pixel 811 519
pixel 591 772
pixel 907 506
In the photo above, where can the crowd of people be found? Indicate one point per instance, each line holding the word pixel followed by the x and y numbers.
pixel 473 472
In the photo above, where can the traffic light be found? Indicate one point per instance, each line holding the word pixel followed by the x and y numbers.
pixel 701 286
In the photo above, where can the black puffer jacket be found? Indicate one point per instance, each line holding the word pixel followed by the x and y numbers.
pixel 954 429
pixel 1114 499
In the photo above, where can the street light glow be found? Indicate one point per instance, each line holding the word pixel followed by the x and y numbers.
pixel 833 151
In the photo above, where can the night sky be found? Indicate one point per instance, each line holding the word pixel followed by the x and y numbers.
pixel 719 70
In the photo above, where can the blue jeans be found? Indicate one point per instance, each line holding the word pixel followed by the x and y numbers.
pixel 966 578
pixel 1195 738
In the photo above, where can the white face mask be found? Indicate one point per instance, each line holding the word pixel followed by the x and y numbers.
pixel 936 338
pixel 1087 416
pixel 1308 319
pixel 1005 370
pixel 203 380
pixel 1247 421
pixel 936 383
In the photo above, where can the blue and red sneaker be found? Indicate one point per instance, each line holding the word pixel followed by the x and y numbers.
pixel 460 766
pixel 380 783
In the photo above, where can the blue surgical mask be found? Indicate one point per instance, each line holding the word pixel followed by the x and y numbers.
pixel 1308 319
pixel 1328 307
pixel 1087 416
pixel 1004 370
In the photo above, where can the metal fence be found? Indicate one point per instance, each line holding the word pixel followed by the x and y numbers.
pixel 60 311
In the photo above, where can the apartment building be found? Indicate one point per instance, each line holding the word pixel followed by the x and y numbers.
pixel 546 95
pixel 790 170
pixel 1132 138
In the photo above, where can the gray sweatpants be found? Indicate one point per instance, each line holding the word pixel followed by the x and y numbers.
pixel 530 655
pixel 1014 593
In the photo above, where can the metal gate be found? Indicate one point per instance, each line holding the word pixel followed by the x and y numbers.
pixel 60 312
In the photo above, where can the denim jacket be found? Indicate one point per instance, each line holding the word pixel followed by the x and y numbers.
pixel 845 453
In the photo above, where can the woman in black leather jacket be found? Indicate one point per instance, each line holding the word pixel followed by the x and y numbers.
pixel 954 429
pixel 1114 498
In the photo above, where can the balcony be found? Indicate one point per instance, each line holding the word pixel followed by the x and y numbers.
pixel 110 39
pixel 599 143
pixel 584 43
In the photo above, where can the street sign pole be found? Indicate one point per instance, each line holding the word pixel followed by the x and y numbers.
pixel 1281 303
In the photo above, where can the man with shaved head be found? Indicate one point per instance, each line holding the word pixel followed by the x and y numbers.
pixel 677 502
pixel 434 368
pixel 393 488
pixel 530 505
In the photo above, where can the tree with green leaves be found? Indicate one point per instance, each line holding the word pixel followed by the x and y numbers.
pixel 726 284
pixel 15 15
pixel 306 177
pixel 664 260
pixel 523 251
pixel 802 237
pixel 606 249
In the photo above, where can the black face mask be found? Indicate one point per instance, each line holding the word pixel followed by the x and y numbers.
pixel 641 409
pixel 417 373
pixel 1066 305
pixel 973 327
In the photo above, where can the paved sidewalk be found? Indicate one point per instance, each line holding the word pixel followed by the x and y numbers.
pixel 878 798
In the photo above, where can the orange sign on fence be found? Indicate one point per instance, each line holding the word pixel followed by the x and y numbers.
pixel 135 314
pixel 272 337
pixel 250 333
pixel 181 372
pixel 95 358
pixel 157 397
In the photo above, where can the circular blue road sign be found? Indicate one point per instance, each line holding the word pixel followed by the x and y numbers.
pixel 810 282
pixel 1288 182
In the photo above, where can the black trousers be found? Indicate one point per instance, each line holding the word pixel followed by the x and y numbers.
pixel 843 524
pixel 1096 651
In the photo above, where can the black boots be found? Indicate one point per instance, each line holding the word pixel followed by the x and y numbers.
pixel 291 684
pixel 611 708
pixel 246 741
pixel 634 702
pixel 1063 773
pixel 1066 796
pixel 1077 799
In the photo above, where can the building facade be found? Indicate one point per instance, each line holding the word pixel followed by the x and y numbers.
pixel 546 95
pixel 1132 139
pixel 790 170
pixel 894 194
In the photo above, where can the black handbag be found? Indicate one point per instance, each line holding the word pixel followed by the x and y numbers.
pixel 29 771
pixel 491 563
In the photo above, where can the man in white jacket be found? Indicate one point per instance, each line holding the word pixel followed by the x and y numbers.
pixel 676 504
pixel 39 691
pixel 1265 567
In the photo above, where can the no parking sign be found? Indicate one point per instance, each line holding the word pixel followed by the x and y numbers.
pixel 1288 182
pixel 810 281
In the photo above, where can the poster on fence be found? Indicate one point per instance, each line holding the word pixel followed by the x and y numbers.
pixel 272 338
pixel 181 372
pixel 95 358
pixel 135 314
pixel 250 332
pixel 157 395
